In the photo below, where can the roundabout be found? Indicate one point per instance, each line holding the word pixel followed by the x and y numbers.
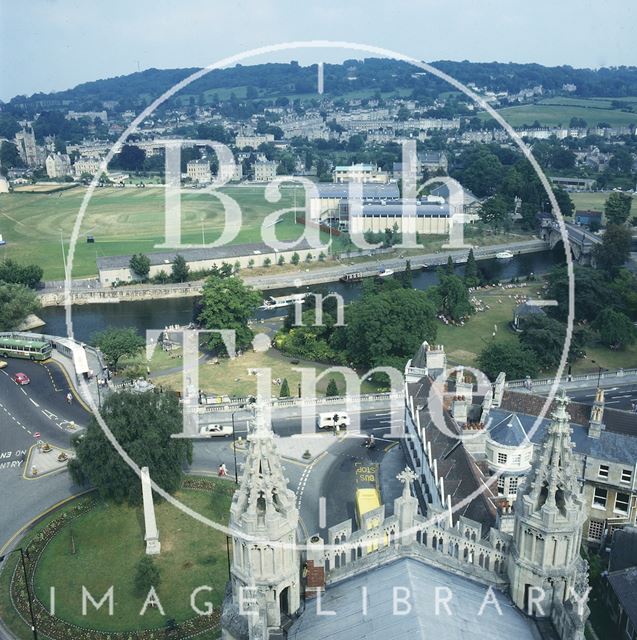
pixel 88 553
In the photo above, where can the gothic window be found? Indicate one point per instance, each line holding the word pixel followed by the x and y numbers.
pixel 513 484
pixel 603 471
pixel 473 536
pixel 599 498
pixel 621 502
pixel 501 481
pixel 595 529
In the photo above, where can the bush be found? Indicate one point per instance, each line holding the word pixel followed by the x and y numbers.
pixel 146 576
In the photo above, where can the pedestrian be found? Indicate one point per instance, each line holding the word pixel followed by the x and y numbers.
pixel 69 398
pixel 222 470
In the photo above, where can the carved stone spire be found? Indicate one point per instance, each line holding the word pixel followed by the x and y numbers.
pixel 264 520
pixel 548 519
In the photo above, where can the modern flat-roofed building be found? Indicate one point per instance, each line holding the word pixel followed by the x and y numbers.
pixel 325 203
pixel 360 173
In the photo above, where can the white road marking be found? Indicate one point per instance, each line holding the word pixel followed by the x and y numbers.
pixel 34 402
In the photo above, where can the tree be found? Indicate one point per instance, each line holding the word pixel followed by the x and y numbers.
pixel 281 260
pixel 564 202
pixel 16 303
pixel 614 250
pixel 227 303
pixel 29 275
pixel 615 329
pixel 407 277
pixel 471 273
pixel 9 156
pixel 147 575
pixel 143 424
pixel 296 258
pixel 592 293
pixel 516 361
pixel 545 337
pixel 449 268
pixel 267 262
pixel 116 343
pixel 285 389
pixel 617 207
pixel 131 158
pixel 332 388
pixel 140 265
pixel 453 297
pixel 386 328
pixel 495 212
pixel 180 269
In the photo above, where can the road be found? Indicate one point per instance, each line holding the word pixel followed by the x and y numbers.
pixel 39 407
pixel 330 476
pixel 619 397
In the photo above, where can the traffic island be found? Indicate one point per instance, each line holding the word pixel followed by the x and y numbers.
pixel 94 544
pixel 44 459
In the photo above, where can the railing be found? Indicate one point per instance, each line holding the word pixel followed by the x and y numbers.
pixel 582 377
pixel 237 403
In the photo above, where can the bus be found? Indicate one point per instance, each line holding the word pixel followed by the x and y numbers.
pixel 30 349
pixel 367 499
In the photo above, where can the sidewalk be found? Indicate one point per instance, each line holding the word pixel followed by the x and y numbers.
pixel 581 381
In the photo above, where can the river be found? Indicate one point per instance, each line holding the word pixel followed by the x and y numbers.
pixel 157 314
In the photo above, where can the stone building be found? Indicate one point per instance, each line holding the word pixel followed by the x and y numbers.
pixel 58 165
pixel 199 171
pixel 27 148
pixel 265 170
pixel 447 530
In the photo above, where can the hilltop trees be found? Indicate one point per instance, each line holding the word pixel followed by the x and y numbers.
pixel 615 329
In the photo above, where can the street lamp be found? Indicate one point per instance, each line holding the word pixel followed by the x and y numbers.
pixel 599 371
pixel 26 582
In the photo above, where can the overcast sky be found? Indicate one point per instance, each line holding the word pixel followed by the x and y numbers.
pixel 48 45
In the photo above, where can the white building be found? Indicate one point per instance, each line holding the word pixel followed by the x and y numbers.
pixel 89 165
pixel 253 141
pixel 359 173
pixel 265 171
pixel 199 171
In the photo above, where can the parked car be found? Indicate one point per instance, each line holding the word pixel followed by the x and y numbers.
pixel 213 430
pixel 3 364
pixel 21 379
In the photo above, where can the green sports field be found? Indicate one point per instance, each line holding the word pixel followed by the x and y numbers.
pixel 125 221
pixel 559 111
pixel 595 201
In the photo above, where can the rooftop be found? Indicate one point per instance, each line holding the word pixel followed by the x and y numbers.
pixel 195 254
pixel 418 584
pixel 370 191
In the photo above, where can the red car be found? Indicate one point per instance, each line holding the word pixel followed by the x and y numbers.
pixel 21 379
